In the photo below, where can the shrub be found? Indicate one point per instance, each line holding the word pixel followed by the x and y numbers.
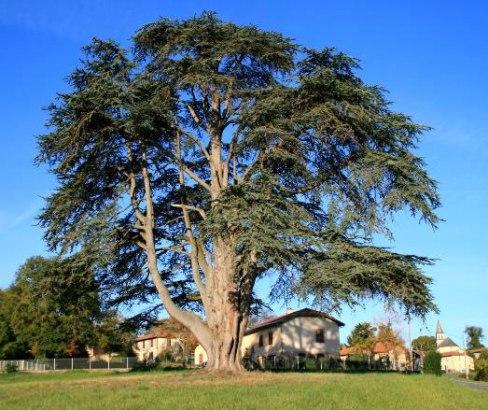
pixel 357 362
pixel 146 366
pixel 10 368
pixel 432 363
pixel 481 367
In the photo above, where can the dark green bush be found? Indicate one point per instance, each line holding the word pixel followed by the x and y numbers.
pixel 357 363
pixel 432 363
pixel 10 368
pixel 481 367
pixel 146 366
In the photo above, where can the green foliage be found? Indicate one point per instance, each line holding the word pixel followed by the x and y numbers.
pixel 57 302
pixel 388 336
pixel 10 347
pixel 424 344
pixel 111 335
pixel 475 336
pixel 481 367
pixel 280 151
pixel 357 362
pixel 362 337
pixel 53 310
pixel 432 363
pixel 10 368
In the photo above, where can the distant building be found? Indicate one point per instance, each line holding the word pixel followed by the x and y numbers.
pixel 149 347
pixel 96 353
pixel 387 355
pixel 453 358
pixel 168 337
pixel 304 332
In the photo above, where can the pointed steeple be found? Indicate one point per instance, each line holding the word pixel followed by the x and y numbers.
pixel 439 334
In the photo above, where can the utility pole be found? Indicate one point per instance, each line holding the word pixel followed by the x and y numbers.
pixel 410 343
pixel 466 370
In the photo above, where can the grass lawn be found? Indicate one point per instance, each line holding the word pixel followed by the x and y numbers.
pixel 200 390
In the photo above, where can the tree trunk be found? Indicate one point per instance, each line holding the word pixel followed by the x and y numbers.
pixel 227 329
pixel 227 310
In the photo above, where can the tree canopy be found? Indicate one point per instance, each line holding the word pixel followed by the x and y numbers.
pixel 475 336
pixel 362 337
pixel 215 154
pixel 53 310
pixel 10 347
pixel 424 344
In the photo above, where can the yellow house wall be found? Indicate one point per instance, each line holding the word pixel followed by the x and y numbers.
pixel 142 351
pixel 457 363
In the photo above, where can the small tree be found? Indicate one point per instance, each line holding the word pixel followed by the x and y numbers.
pixel 424 344
pixel 361 341
pixel 10 346
pixel 432 363
pixel 475 336
pixel 390 339
pixel 362 337
pixel 481 367
pixel 111 335
pixel 56 305
pixel 388 336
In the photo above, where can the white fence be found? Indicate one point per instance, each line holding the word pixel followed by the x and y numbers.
pixel 40 365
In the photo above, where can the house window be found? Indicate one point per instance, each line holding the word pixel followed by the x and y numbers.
pixel 143 344
pixel 168 343
pixel 270 338
pixel 319 336
pixel 261 341
pixel 152 342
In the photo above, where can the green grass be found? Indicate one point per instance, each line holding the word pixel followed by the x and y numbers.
pixel 200 390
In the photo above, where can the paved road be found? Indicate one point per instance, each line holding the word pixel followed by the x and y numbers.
pixel 472 384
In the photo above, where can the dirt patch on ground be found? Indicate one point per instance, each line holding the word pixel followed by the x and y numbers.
pixel 198 378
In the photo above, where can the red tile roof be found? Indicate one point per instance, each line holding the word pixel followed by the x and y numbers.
pixel 275 321
pixel 450 354
pixel 379 347
pixel 154 336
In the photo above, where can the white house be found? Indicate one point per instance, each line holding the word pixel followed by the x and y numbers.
pixel 302 332
pixel 454 359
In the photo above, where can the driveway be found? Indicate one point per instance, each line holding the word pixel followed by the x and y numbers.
pixel 472 384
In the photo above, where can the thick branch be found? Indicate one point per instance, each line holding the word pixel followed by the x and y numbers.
pixel 194 260
pixel 194 176
pixel 188 319
pixel 197 141
pixel 191 208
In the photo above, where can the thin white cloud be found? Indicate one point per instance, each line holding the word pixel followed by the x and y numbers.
pixel 10 220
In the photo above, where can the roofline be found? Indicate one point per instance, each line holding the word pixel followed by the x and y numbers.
pixel 449 341
pixel 452 353
pixel 306 312
pixel 147 337
pixel 478 350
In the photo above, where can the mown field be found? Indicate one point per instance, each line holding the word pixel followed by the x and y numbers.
pixel 200 390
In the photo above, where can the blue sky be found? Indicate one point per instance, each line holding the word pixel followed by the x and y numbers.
pixel 431 56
